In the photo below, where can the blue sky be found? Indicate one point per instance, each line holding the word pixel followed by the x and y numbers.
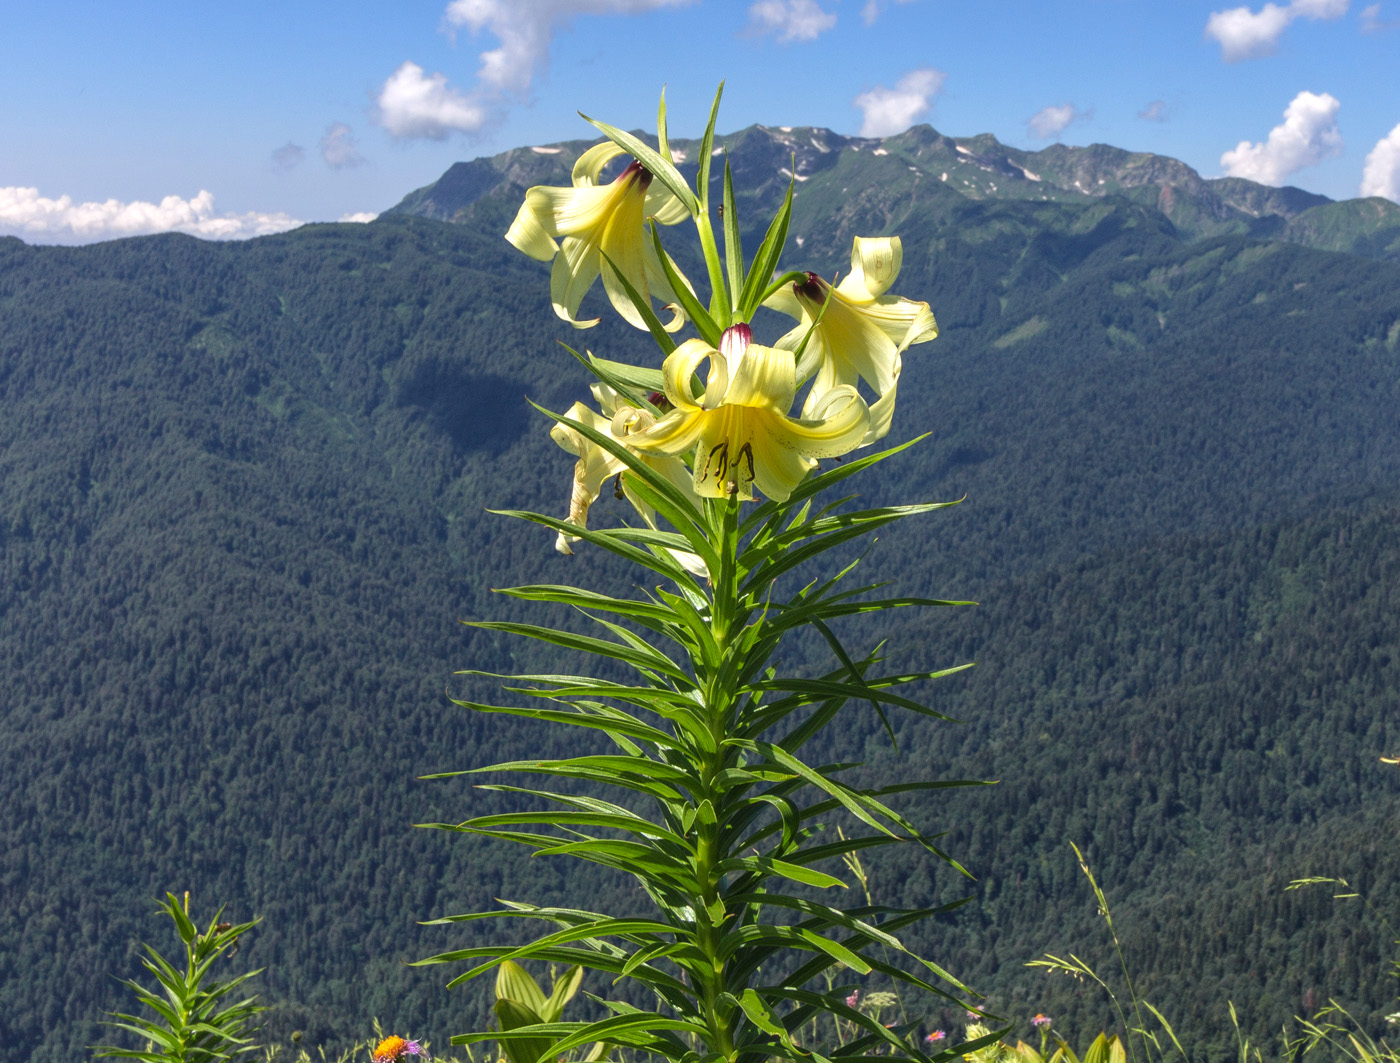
pixel 230 120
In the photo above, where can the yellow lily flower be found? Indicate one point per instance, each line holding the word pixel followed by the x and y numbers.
pixel 740 433
pixel 595 466
pixel 863 332
pixel 593 220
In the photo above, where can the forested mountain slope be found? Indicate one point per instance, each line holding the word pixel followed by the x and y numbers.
pixel 242 494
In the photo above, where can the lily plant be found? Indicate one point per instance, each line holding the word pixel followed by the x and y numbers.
pixel 705 784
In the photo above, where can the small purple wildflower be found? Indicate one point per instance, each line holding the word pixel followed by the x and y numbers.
pixel 853 999
pixel 1041 1021
pixel 935 1037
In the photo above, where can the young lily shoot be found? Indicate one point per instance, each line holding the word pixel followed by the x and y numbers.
pixel 700 771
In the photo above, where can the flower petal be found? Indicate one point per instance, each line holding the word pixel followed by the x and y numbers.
pixel 785 302
pixel 875 263
pixel 854 343
pixel 905 321
pixel 765 377
pixel 591 471
pixel 682 363
pixel 676 433
pixel 530 231
pixel 725 465
pixel 575 270
pixel 838 425
pixel 882 413
pixel 778 466
pixel 590 164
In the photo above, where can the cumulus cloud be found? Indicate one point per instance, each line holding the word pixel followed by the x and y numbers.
pixel 1381 175
pixel 790 20
pixel 362 217
pixel 1246 34
pixel 524 29
pixel 891 111
pixel 1049 122
pixel 338 147
pixel 413 103
pixel 288 156
pixel 23 212
pixel 1308 135
pixel 871 11
pixel 1156 111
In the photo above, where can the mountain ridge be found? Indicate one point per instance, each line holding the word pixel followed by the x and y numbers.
pixel 977 168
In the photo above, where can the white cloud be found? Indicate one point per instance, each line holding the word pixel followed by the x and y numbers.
pixel 891 111
pixel 1381 176
pixel 524 29
pixel 288 156
pixel 338 147
pixel 871 11
pixel 791 20
pixel 1156 111
pixel 415 104
pixel 1243 34
pixel 1049 122
pixel 1246 34
pixel 361 216
pixel 23 212
pixel 1371 21
pixel 1308 135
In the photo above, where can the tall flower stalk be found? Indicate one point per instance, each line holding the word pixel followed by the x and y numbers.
pixel 194 1018
pixel 709 797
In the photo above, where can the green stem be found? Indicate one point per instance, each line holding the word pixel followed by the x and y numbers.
pixel 718 702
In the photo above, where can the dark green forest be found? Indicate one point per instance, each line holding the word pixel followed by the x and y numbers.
pixel 243 493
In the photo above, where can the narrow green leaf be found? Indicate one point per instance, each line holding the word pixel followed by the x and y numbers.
pixel 765 260
pixel 733 247
pixel 609 724
pixel 795 937
pixel 642 304
pixel 563 594
pixel 761 1015
pixel 631 824
pixel 621 381
pixel 699 316
pixel 645 379
pixel 818 689
pixel 664 566
pixel 707 141
pixel 661 169
pixel 814 485
pixel 763 865
pixel 663 143
pixel 648 662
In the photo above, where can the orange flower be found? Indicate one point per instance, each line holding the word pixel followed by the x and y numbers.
pixel 391 1048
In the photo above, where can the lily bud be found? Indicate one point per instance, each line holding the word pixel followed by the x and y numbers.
pixel 811 291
